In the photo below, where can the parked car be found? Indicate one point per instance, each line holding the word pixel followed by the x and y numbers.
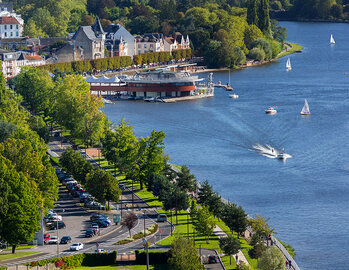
pixel 122 186
pixel 60 224
pixel 95 228
pixel 77 246
pixel 46 238
pixel 53 240
pixel 89 233
pixel 162 218
pixel 65 240
pixel 212 259
pixel 100 250
pixel 98 216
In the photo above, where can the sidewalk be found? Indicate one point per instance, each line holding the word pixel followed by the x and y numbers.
pixel 240 256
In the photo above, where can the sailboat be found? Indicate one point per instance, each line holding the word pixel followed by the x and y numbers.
pixel 332 40
pixel 305 110
pixel 288 65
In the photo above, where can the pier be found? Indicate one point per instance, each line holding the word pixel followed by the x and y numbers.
pixel 225 86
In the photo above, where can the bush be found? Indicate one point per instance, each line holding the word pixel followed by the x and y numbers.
pixel 263 45
pixel 257 54
pixel 85 259
pixel 275 48
pixel 156 257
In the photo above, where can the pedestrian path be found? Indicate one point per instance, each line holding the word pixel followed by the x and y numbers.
pixel 238 257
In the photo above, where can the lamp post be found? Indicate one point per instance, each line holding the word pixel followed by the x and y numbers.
pixel 146 247
pixel 144 223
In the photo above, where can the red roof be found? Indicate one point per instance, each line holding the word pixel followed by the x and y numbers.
pixel 33 57
pixel 8 20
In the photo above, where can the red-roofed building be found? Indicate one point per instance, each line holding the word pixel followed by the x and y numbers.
pixel 11 25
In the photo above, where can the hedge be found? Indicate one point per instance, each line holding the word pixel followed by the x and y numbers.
pixel 155 57
pixel 155 257
pixel 84 259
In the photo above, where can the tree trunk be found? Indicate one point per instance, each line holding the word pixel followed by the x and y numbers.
pixel 13 249
pixel 141 184
pixel 176 217
pixel 230 259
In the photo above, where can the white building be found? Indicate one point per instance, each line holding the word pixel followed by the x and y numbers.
pixel 150 43
pixel 116 32
pixel 11 25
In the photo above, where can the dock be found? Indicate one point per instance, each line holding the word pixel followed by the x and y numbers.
pixel 226 87
pixel 175 99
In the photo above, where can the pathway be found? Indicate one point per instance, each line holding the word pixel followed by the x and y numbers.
pixel 240 256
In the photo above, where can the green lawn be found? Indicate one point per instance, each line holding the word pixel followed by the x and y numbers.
pixel 294 48
pixel 10 256
pixel 181 224
pixel 21 247
pixel 128 267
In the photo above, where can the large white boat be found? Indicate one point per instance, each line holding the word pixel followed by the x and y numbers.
pixel 283 156
pixel 305 109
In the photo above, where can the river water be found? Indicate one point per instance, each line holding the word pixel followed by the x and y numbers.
pixel 306 198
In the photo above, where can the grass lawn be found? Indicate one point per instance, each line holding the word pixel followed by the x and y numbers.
pixel 294 48
pixel 10 256
pixel 128 267
pixel 21 247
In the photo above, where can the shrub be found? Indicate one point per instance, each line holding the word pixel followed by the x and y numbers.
pixel 156 257
pixel 263 45
pixel 257 54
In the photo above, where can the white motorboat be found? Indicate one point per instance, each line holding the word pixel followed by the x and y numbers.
pixel 234 96
pixel 271 110
pixel 288 64
pixel 305 109
pixel 332 42
pixel 283 156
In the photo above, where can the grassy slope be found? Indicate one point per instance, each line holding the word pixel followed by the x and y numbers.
pixel 294 48
pixel 10 256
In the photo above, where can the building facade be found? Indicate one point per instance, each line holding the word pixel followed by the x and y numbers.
pixel 150 43
pixel 116 32
pixel 11 24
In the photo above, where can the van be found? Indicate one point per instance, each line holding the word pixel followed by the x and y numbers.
pixel 162 218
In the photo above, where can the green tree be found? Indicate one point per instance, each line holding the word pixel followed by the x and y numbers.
pixel 257 54
pixel 203 222
pixel 264 19
pixel 230 245
pixel 252 12
pixel 176 199
pixel 103 186
pixel 6 130
pixel 263 45
pixel 205 193
pixel 21 219
pixel 31 30
pixel 185 180
pixel 252 32
pixel 260 225
pixel 235 218
pixel 184 255
pixel 272 259
pixel 238 56
pixel 159 185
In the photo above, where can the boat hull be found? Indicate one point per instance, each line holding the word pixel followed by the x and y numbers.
pixel 270 111
pixel 305 113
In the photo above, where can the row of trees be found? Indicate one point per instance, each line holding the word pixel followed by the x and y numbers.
pixel 66 101
pixel 116 62
pixel 28 183
pixel 99 183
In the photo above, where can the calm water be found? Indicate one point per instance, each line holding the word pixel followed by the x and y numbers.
pixel 306 198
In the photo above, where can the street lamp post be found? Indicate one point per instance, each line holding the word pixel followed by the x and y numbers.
pixel 146 247
pixel 144 224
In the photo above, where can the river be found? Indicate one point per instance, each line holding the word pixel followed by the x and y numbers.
pixel 307 197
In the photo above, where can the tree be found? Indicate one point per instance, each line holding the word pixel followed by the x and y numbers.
pixel 103 186
pixel 252 32
pixel 238 56
pixel 184 255
pixel 21 220
pixel 258 246
pixel 252 12
pixel 205 193
pixel 129 222
pixel 272 259
pixel 260 225
pixel 36 87
pixel 185 180
pixel 263 18
pixel 215 204
pixel 263 45
pixel 159 185
pixel 230 245
pixel 177 199
pixel 235 218
pixel 6 130
pixel 203 222
pixel 257 54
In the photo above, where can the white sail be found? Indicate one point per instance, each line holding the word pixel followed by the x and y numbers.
pixel 332 40
pixel 305 109
pixel 288 64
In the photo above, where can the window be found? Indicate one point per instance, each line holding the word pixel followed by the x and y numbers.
pixel 17 26
pixel 11 26
pixel 17 34
pixel 139 52
pixel 5 27
pixel 145 45
pixel 5 34
pixel 139 46
pixel 11 34
pixel 151 45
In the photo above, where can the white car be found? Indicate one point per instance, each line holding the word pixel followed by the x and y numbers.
pixel 53 240
pixel 77 246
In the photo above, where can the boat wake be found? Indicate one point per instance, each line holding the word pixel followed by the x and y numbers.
pixel 269 151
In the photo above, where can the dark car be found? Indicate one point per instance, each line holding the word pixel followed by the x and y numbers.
pixel 97 216
pixel 89 233
pixel 212 259
pixel 61 225
pixel 102 223
pixel 65 240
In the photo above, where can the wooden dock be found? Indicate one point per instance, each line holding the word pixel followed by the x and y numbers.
pixel 226 87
